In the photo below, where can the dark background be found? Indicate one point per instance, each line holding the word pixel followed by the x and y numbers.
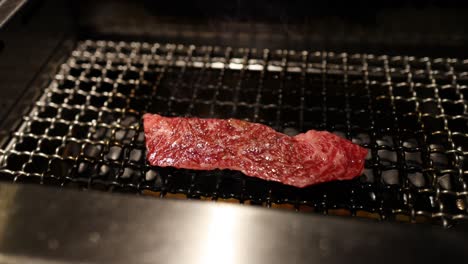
pixel 429 28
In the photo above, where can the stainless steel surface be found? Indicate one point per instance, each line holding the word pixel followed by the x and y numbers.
pixel 42 225
pixel 8 8
pixel 25 67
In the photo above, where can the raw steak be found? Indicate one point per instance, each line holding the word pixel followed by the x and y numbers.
pixel 254 149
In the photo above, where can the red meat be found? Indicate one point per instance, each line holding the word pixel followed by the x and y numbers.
pixel 254 149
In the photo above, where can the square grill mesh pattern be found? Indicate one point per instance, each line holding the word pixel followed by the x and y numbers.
pixel 86 129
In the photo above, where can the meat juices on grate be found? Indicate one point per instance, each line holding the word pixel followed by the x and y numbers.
pixel 254 149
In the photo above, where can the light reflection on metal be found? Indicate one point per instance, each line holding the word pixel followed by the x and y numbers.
pixel 218 242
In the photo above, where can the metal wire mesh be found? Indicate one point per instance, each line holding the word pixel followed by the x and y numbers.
pixel 411 113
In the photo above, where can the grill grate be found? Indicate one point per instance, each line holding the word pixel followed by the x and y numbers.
pixel 85 129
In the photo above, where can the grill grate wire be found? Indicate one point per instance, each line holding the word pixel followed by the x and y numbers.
pixel 85 130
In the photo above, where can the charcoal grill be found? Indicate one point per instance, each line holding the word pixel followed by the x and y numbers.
pixel 76 96
pixel 85 129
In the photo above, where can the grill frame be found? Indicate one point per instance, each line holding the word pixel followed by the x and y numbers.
pixel 282 239
pixel 282 64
